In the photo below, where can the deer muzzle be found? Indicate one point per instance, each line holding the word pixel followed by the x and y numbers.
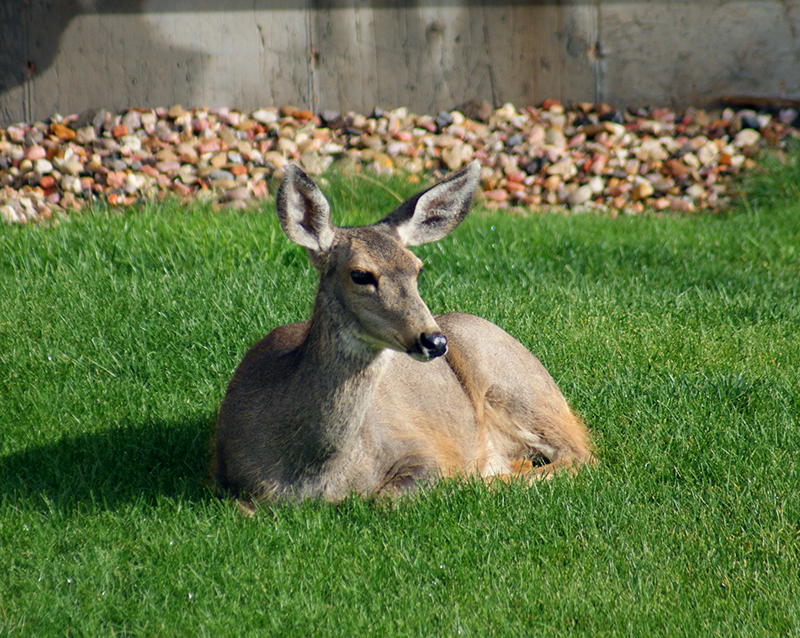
pixel 429 345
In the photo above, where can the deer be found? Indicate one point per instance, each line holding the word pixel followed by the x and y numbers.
pixel 373 395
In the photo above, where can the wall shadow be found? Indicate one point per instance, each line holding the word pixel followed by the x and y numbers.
pixel 39 24
pixel 31 35
pixel 119 465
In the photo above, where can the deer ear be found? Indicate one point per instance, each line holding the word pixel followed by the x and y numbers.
pixel 434 213
pixel 304 212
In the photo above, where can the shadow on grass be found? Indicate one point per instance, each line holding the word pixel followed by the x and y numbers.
pixel 113 467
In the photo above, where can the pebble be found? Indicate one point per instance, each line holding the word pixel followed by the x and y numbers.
pixel 497 195
pixel 580 195
pixel 85 135
pixel 71 166
pixel 675 168
pixel 287 146
pixel 236 194
pixel 707 153
pixel 265 116
pixel 132 120
pixel 220 174
pixel 564 168
pixel 42 167
pixel 587 155
pixel 747 137
pixel 596 185
pixel 131 143
pixel 641 190
pixel 134 182
pixel 223 183
pixel 457 156
pixel 168 166
pixel 696 191
pixel 34 153
pixel 71 184
pixel 62 132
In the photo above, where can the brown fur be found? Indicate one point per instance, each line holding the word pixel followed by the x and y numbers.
pixel 359 398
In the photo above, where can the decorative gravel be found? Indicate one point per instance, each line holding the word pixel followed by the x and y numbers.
pixel 588 155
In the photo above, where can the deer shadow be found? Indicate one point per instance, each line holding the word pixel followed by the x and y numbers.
pixel 109 468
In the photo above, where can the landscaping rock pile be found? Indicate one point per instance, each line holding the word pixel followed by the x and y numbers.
pixel 587 155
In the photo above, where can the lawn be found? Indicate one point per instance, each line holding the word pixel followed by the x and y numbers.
pixel 676 338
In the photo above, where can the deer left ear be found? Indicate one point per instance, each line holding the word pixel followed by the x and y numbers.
pixel 304 212
pixel 432 214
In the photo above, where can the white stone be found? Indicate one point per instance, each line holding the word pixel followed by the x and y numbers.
pixel 71 184
pixel 506 112
pixel 131 142
pixel 690 159
pixel 149 119
pixel 393 149
pixel 42 167
pixel 565 168
pixel 71 166
pixel 747 137
pixel 663 184
pixel 9 215
pixel 457 156
pixel 263 116
pixel 132 119
pixel 707 153
pixel 554 137
pixel 597 185
pixel 651 151
pixel 134 182
pixel 286 145
pixel 580 196
pixel 331 149
pixel 695 191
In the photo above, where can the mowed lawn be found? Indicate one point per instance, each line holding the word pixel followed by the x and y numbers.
pixel 676 338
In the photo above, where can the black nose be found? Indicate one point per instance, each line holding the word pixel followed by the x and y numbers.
pixel 433 345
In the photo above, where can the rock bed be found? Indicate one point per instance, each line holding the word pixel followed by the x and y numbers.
pixel 590 155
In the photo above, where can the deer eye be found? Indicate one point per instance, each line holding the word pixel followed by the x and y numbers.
pixel 362 278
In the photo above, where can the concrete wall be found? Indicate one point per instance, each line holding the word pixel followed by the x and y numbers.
pixel 69 55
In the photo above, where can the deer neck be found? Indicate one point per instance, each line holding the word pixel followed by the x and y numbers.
pixel 340 373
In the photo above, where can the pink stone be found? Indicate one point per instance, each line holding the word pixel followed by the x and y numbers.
pixel 260 189
pixel 150 171
pixel 496 195
pixel 168 166
pixel 235 194
pixel 35 152
pixel 200 125
pixel 211 146
pixel 47 182
pixel 115 179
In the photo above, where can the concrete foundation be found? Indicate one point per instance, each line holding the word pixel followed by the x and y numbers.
pixel 65 56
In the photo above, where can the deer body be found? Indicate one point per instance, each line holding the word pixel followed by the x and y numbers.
pixel 373 394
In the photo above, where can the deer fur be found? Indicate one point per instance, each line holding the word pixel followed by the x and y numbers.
pixel 373 394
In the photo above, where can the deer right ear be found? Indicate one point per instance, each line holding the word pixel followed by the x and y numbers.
pixel 304 212
pixel 432 214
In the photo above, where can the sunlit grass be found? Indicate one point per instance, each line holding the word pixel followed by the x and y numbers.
pixel 676 339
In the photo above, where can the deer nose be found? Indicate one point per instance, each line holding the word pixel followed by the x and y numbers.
pixel 432 345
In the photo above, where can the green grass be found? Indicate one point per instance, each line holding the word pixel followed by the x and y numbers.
pixel 676 338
